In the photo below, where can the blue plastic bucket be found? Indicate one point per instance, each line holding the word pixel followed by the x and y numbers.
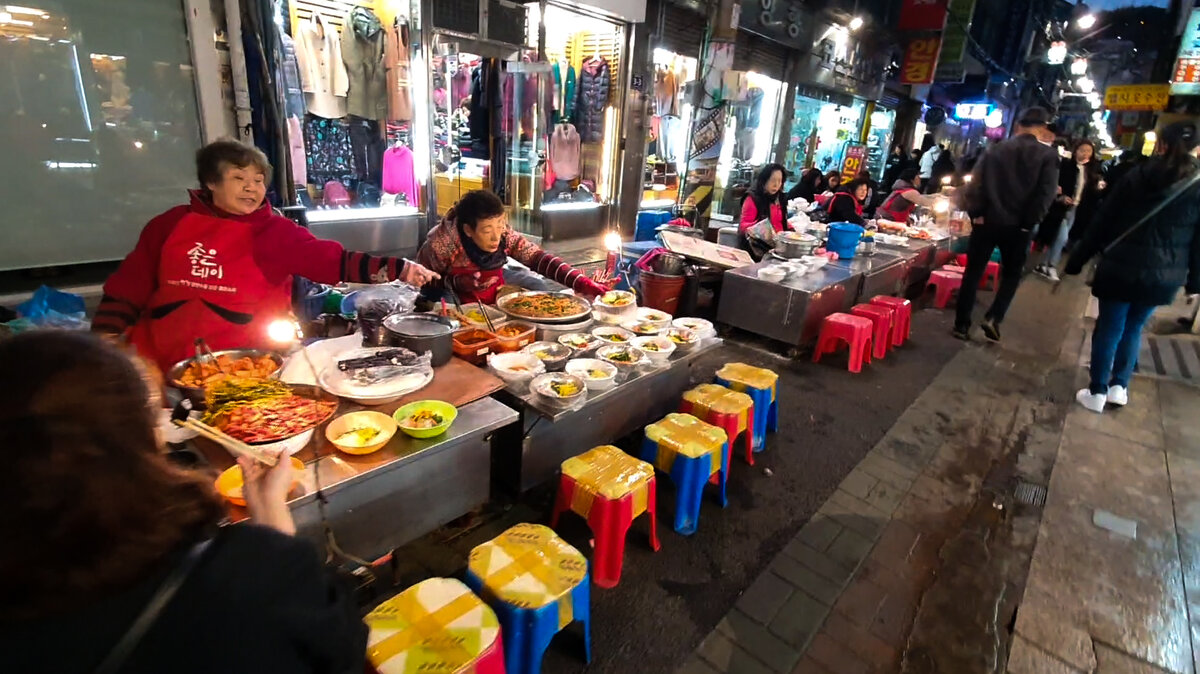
pixel 843 238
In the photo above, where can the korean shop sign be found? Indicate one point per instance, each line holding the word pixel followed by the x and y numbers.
pixel 1137 97
pixel 920 60
pixel 852 163
pixel 923 15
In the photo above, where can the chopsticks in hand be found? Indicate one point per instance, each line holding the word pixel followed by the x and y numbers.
pixel 486 319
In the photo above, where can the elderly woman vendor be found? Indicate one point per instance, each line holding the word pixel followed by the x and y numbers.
pixel 472 243
pixel 221 266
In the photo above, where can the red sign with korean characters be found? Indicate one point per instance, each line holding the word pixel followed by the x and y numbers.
pixel 920 60
pixel 923 14
pixel 852 163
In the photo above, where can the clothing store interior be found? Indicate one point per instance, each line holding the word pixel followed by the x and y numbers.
pixel 667 138
pixel 754 103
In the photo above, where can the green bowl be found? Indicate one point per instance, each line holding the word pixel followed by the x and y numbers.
pixel 447 411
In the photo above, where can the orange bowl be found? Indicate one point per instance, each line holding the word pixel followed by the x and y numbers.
pixel 229 483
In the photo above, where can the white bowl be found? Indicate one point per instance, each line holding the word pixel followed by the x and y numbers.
pixel 683 339
pixel 640 358
pixel 703 329
pixel 665 348
pixel 290 446
pixel 773 273
pixel 541 386
pixel 583 367
pixel 503 364
pixel 587 341
pixel 653 315
pixel 641 328
pixel 603 332
pixel 815 262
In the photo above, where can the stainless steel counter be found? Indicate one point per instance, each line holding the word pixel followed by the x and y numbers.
pixel 530 453
pixel 790 311
pixel 883 273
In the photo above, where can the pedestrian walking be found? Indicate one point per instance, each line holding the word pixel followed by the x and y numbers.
pixel 1011 189
pixel 1080 186
pixel 928 158
pixel 943 166
pixel 1146 237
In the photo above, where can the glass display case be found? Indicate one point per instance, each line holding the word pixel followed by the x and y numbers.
pixel 753 100
pixel 820 132
pixel 879 141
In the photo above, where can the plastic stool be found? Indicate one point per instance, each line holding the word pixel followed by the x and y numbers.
pixel 954 268
pixel 991 276
pixel 691 452
pixel 537 585
pixel 609 489
pixel 944 284
pixel 882 317
pixel 902 327
pixel 855 331
pixel 760 384
pixel 437 625
pixel 721 407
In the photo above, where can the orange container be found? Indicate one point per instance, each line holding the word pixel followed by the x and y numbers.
pixel 513 335
pixel 473 345
pixel 229 483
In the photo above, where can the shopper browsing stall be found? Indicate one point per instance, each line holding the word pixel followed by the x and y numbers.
pixel 471 245
pixel 220 268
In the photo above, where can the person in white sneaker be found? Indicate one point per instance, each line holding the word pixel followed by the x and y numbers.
pixel 1146 235
pixel 1080 185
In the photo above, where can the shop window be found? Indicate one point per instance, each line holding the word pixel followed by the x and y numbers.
pixel 355 128
pixel 753 102
pixel 98 127
pixel 821 130
pixel 667 139
pixel 879 141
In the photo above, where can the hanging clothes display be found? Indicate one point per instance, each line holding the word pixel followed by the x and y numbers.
pixel 568 94
pixel 322 71
pixel 327 148
pixel 362 52
pixel 594 82
pixel 666 93
pixel 396 62
pixel 293 87
pixel 299 157
pixel 461 85
pixel 564 152
pixel 367 145
pixel 399 176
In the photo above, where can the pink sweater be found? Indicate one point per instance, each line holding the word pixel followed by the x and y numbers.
pixel 564 152
pixel 398 174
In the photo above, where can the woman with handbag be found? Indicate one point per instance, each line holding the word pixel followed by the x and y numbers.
pixel 1081 186
pixel 113 558
pixel 1147 240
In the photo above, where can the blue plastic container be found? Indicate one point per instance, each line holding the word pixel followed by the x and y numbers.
pixel 647 222
pixel 844 238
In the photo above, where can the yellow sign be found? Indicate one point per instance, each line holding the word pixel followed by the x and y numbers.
pixel 1137 97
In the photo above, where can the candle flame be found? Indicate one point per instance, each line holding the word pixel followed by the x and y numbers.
pixel 612 241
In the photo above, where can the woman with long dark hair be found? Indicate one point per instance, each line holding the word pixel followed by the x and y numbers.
pixel 1080 184
pixel 765 200
pixel 1143 261
pixel 846 205
pixel 812 183
pixel 97 524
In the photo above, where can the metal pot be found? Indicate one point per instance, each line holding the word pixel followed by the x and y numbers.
pixel 668 264
pixel 420 333
pixel 795 247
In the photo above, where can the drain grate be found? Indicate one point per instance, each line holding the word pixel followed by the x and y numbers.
pixel 1172 357
pixel 1029 493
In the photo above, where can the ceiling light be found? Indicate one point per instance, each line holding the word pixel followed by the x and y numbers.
pixel 1057 53
pixel 1079 67
pixel 1085 84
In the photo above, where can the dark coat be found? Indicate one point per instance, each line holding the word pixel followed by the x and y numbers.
pixel 1068 175
pixel 593 97
pixel 843 207
pixel 1149 265
pixel 1013 184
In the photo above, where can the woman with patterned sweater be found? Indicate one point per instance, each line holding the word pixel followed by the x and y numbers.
pixel 472 243
pixel 221 266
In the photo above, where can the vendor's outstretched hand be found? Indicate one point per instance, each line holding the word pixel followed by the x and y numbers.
pixel 416 274
pixel 595 286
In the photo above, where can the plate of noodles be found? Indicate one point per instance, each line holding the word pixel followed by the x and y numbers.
pixel 545 307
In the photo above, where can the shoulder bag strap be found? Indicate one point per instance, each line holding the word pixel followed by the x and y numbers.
pixel 162 597
pixel 1153 212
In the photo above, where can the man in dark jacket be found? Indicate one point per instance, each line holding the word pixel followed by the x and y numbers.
pixel 1011 189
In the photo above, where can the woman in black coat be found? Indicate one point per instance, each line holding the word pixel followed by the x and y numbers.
pixel 1080 188
pixel 1145 269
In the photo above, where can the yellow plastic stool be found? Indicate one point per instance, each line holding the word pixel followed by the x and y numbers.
pixel 726 409
pixel 761 385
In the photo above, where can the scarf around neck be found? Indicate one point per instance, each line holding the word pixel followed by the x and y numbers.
pixel 481 258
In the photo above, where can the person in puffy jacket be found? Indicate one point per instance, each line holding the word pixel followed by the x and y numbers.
pixel 1144 269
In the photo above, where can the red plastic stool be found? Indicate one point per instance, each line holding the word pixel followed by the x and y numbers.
pixel 609 489
pixel 882 317
pixel 961 259
pixel 991 276
pixel 954 268
pixel 902 326
pixel 855 331
pixel 723 408
pixel 944 284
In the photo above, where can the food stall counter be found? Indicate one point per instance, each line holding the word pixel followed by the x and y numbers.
pixel 920 255
pixel 791 310
pixel 883 273
pixel 530 453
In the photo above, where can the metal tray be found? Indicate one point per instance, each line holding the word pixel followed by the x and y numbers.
pixel 585 308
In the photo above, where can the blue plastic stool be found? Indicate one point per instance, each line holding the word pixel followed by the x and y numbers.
pixel 762 386
pixel 531 613
pixel 683 447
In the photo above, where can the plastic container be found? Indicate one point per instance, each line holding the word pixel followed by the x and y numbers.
pixel 473 345
pixel 445 410
pixel 843 239
pixel 661 291
pixel 346 423
pixel 514 335
pixel 596 374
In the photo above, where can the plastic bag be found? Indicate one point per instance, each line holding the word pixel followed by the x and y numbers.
pixel 377 303
pixel 50 308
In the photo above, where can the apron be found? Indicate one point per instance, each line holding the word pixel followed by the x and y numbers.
pixel 209 286
pixel 891 210
pixel 487 296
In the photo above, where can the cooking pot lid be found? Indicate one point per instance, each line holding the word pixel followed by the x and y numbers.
pixel 411 325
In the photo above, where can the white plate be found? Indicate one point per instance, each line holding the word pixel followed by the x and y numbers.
pixel 380 393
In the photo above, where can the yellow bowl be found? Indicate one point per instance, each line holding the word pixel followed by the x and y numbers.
pixel 348 422
pixel 447 411
pixel 229 483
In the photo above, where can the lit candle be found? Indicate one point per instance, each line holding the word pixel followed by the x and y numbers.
pixel 612 241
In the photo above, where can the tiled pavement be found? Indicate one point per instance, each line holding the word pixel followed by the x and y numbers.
pixel 844 595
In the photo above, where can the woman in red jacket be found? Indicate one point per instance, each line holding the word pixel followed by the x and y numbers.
pixel 471 244
pixel 221 266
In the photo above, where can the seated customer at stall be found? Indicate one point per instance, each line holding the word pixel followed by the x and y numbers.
pixel 220 268
pixel 904 198
pixel 812 183
pixel 846 205
pixel 472 243
pixel 114 549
